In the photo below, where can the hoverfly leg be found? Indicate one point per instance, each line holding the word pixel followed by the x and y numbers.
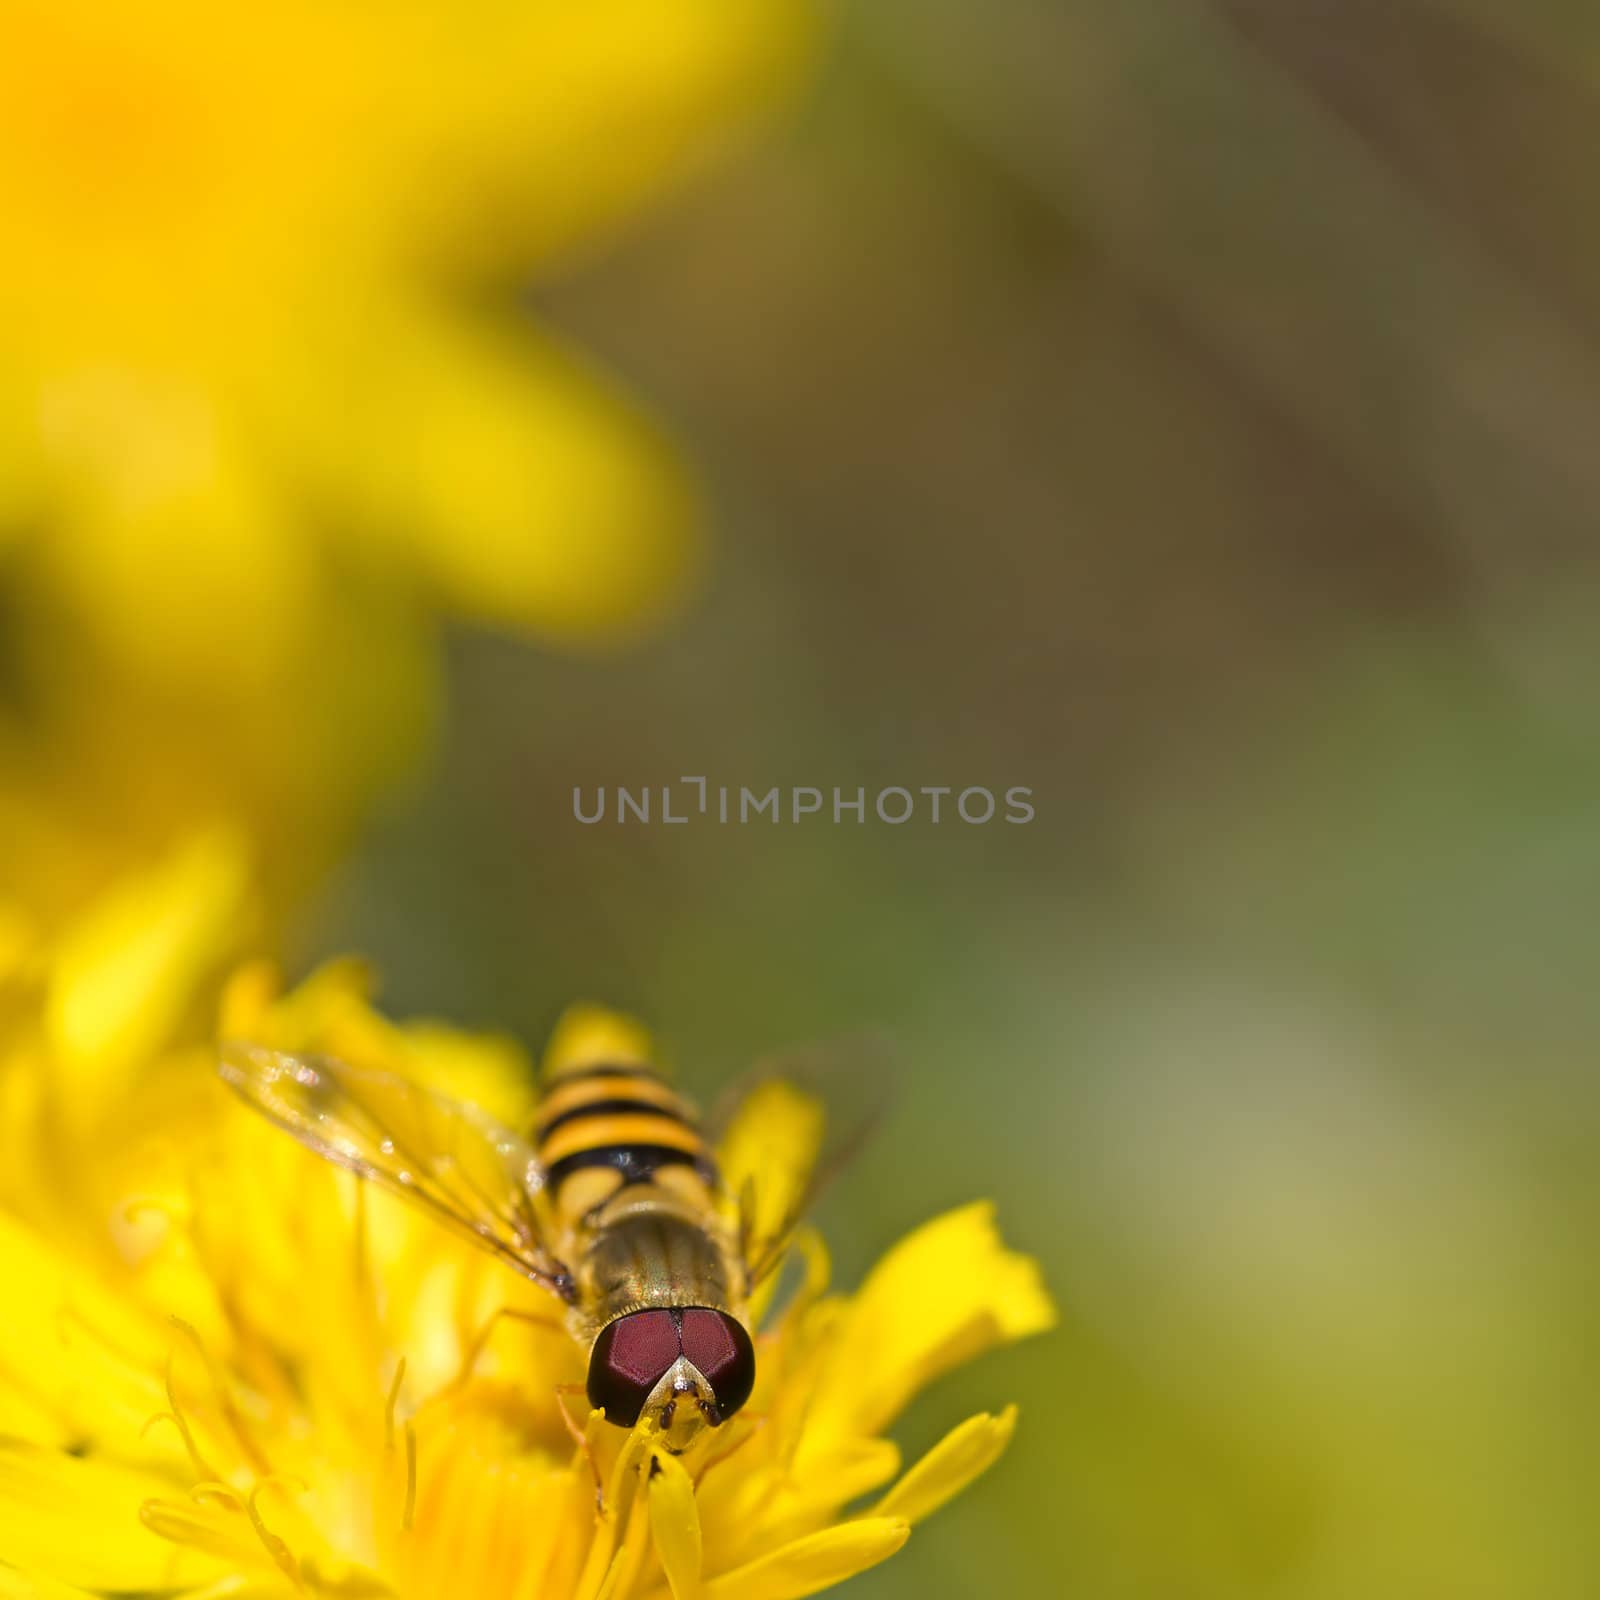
pixel 480 1340
pixel 580 1438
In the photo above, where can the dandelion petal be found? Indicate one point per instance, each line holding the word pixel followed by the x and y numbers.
pixel 963 1454
pixel 814 1563
pixel 675 1526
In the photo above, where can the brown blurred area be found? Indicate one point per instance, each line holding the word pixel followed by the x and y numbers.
pixel 1186 410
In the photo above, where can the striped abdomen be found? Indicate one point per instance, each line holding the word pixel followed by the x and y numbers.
pixel 604 1129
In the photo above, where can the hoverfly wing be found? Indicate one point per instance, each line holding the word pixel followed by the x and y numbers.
pixel 456 1162
pixel 790 1126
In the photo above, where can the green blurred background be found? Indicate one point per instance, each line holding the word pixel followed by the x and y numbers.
pixel 1186 410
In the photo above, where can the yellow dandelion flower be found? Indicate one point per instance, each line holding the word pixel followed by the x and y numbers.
pixel 230 1369
pixel 267 400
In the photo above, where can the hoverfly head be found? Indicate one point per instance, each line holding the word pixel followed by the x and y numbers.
pixel 687 1367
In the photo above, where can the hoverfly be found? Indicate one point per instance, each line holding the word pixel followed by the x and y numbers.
pixel 613 1203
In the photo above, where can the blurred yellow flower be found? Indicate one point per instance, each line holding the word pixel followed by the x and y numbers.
pixel 228 1369
pixel 267 401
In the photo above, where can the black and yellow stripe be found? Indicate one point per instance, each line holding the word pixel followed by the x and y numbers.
pixel 623 1118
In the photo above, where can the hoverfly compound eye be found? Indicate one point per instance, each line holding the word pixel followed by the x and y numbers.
pixel 720 1348
pixel 628 1361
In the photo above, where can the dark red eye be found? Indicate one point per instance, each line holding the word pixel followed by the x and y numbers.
pixel 628 1361
pixel 722 1351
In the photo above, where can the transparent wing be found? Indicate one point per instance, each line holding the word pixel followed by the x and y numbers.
pixel 477 1177
pixel 787 1128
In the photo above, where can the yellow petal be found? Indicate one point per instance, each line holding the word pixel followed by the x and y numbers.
pixel 961 1456
pixel 600 1564
pixel 126 974
pixel 271 1586
pixel 624 1567
pixel 641 90
pixel 768 1153
pixel 331 1012
pixel 254 1006
pixel 18 945
pixel 24 1416
pixel 587 1036
pixel 247 1000
pixel 76 1520
pixel 484 1519
pixel 522 485
pixel 747 1504
pixel 210 1529
pixel 337 1582
pixel 26 1112
pixel 489 1071
pixel 675 1526
pixel 15 1585
pixel 853 1467
pixel 174 547
pixel 943 1295
pixel 816 1562
pixel 73 1352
